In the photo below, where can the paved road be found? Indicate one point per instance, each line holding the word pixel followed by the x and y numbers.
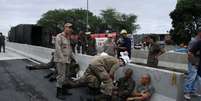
pixel 19 84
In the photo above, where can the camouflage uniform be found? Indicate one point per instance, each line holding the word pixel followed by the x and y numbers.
pixel 98 74
pixel 154 50
pixel 62 57
pixel 125 88
pixel 109 47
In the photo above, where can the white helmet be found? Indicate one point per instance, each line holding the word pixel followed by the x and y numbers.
pixel 103 54
pixel 123 31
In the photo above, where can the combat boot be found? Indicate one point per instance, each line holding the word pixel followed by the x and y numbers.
pixel 65 91
pixel 48 75
pixel 59 94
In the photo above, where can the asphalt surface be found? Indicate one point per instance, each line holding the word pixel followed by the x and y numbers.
pixel 19 84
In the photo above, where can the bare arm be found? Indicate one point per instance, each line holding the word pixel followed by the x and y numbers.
pixel 190 55
pixel 160 52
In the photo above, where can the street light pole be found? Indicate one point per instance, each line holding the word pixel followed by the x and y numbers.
pixel 87 15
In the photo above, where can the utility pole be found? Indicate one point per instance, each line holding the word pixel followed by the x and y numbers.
pixel 87 15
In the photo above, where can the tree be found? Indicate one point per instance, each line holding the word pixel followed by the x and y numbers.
pixel 110 19
pixel 186 19
pixel 54 20
pixel 116 21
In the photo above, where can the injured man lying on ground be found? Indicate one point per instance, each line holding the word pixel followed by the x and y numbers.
pixel 51 65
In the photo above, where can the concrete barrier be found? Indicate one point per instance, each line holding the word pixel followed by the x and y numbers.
pixel 168 84
pixel 38 53
pixel 172 60
pixel 174 57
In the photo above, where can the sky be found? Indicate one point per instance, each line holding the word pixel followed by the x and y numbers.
pixel 153 15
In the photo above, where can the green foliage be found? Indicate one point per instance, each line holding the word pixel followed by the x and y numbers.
pixel 54 20
pixel 117 21
pixel 110 19
pixel 186 18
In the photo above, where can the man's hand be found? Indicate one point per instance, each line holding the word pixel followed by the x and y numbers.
pixel 134 98
pixel 190 56
pixel 160 53
pixel 193 59
pixel 145 95
pixel 112 76
pixel 130 99
pixel 115 92
pixel 156 57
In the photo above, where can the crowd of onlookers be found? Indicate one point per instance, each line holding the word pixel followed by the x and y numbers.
pixel 86 44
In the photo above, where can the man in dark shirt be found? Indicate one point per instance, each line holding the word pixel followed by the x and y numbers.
pixel 2 42
pixel 193 51
pixel 192 77
pixel 154 52
pixel 124 43
pixel 91 46
pixel 81 42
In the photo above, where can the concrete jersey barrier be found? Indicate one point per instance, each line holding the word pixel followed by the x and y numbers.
pixel 172 60
pixel 174 57
pixel 168 84
pixel 38 53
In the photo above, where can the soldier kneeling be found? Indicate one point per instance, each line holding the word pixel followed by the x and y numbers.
pixel 99 76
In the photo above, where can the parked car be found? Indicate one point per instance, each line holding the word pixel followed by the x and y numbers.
pixel 137 46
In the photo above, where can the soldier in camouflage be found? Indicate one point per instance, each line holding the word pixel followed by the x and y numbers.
pixel 100 74
pixel 62 57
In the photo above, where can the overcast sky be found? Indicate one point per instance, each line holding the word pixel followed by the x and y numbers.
pixel 153 15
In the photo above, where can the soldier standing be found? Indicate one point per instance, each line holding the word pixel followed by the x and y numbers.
pixel 91 45
pixel 2 42
pixel 82 42
pixel 154 51
pixel 62 57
